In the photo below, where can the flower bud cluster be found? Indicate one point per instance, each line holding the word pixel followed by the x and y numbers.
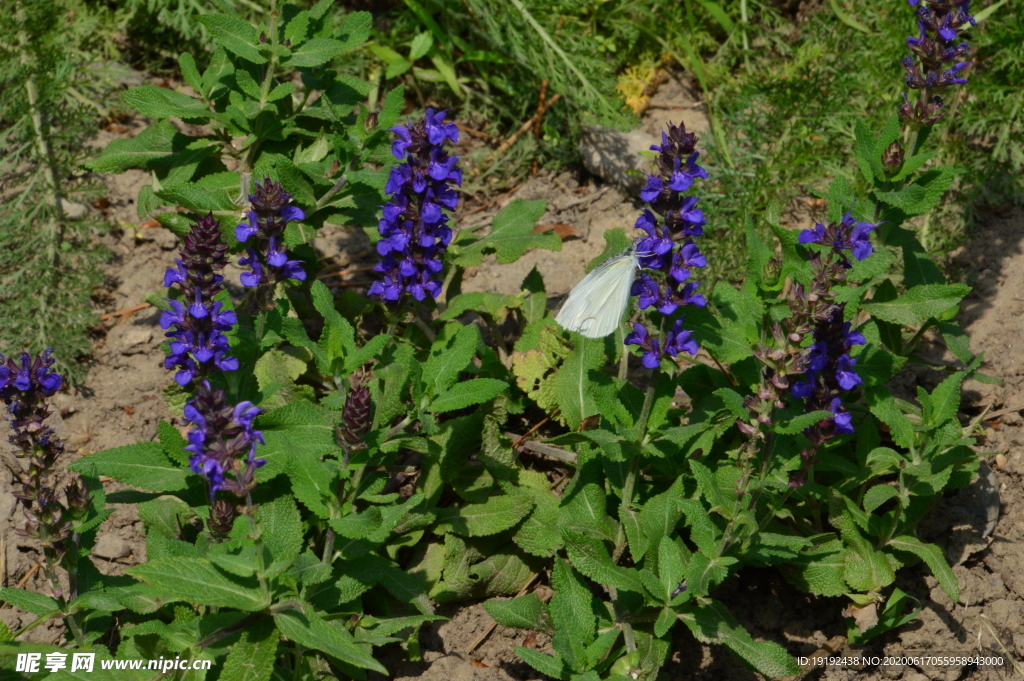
pixel 267 259
pixel 934 62
pixel 669 224
pixel 223 442
pixel 414 228
pixel 199 346
pixel 24 386
pixel 355 415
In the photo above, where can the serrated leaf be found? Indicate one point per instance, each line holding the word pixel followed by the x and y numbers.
pixel 281 527
pixel 477 520
pixel 553 666
pixel 37 604
pixel 589 555
pixel 316 52
pixel 878 495
pixel 524 612
pixel 919 303
pixel 196 580
pixel 573 385
pixel 158 102
pixel 883 405
pixel 932 555
pixel 153 143
pixel 251 658
pixel 819 570
pixel 234 35
pixel 799 424
pixel 467 393
pixel 921 194
pixel 711 622
pixel 511 235
pixel 945 400
pixel 450 355
pixel 142 465
pixel 309 630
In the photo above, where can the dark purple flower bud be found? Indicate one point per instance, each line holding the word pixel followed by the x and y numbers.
pixel 78 499
pixel 892 158
pixel 355 416
pixel 221 519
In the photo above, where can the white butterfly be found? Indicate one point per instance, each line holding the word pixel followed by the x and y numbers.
pixel 595 305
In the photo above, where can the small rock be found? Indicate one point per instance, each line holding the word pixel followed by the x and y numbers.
pixel 1000 461
pixel 112 547
pixel 131 340
pixel 615 156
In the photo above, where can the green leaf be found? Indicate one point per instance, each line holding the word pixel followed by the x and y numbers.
pixel 158 102
pixel 524 612
pixel 711 622
pixel 196 580
pixel 819 570
pixel 309 630
pixel 883 405
pixel 281 527
pixel 922 194
pixel 172 442
pixel 572 613
pixel 477 520
pixel 316 52
pixel 933 557
pixel 589 555
pixel 187 64
pixel 800 423
pixel 234 35
pixel 450 355
pixel 142 465
pixel 573 385
pixel 37 604
pixel 553 666
pixel 251 658
pixel 511 235
pixel 919 303
pixel 945 402
pixel 702 574
pixel 466 393
pixel 153 143
pixel 878 495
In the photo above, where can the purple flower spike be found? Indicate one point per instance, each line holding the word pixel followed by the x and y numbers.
pixel 667 245
pixel 848 235
pixel 414 226
pixel 269 265
pixel 198 344
pixel 223 442
pixel 933 63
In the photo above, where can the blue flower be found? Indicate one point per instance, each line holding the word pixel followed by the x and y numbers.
pixel 652 352
pixel 849 235
pixel 843 420
pixel 197 341
pixel 223 441
pixel 414 227
pixel 269 265
pixel 847 378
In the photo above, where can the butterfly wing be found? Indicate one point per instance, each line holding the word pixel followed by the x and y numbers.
pixel 595 305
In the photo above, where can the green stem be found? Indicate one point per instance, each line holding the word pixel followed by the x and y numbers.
pixel 260 565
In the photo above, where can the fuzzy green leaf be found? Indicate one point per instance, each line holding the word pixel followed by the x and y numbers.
pixel 933 557
pixel 196 580
pixel 37 604
pixel 251 658
pixel 309 630
pixel 449 356
pixel 711 622
pixel 234 35
pixel 819 570
pixel 878 495
pixel 919 303
pixel 590 556
pixel 478 520
pixel 467 393
pixel 153 143
pixel 142 465
pixel 158 102
pixel 524 612
pixel 511 235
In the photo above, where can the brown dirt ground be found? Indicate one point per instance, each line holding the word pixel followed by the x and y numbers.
pixel 120 403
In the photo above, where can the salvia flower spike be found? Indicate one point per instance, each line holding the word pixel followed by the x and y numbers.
pixel 669 226
pixel 935 60
pixel 25 384
pixel 223 442
pixel 414 227
pixel 197 323
pixel 266 258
